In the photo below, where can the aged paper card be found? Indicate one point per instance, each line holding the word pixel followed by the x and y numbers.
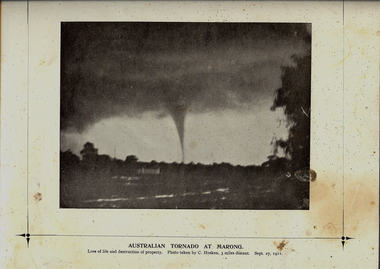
pixel 189 134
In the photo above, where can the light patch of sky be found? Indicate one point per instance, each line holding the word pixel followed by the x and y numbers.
pixel 237 137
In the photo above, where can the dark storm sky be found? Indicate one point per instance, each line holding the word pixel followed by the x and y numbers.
pixel 182 71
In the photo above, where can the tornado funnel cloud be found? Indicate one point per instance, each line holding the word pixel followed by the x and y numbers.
pixel 177 104
pixel 178 116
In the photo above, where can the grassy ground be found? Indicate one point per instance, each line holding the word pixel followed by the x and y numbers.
pixel 183 187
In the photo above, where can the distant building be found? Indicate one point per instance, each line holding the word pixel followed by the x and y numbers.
pixel 148 171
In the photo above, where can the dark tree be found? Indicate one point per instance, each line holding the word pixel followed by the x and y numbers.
pixel 89 152
pixel 68 159
pixel 131 159
pixel 294 98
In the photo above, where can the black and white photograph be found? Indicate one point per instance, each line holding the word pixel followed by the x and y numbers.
pixel 185 115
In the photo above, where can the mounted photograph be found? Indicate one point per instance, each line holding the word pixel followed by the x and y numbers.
pixel 185 115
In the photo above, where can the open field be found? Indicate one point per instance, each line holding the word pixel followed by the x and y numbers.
pixel 182 186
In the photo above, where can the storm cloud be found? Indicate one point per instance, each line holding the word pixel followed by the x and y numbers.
pixel 113 69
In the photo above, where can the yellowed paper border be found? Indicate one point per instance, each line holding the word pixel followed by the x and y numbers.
pixel 345 82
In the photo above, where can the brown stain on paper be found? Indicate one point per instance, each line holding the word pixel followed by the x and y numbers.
pixel 313 175
pixel 306 175
pixel 47 62
pixel 332 228
pixel 280 246
pixel 328 218
pixel 363 31
pixel 37 197
pixel 202 226
pixel 348 53
pixel 321 191
pixel 360 204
